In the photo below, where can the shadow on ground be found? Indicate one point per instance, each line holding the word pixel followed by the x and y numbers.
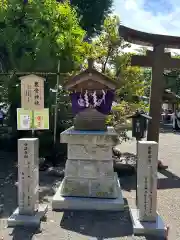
pixel 47 186
pixel 169 182
pixel 8 186
pixel 101 225
pixel 8 173
pixel 167 128
pixel 22 233
pixel 98 224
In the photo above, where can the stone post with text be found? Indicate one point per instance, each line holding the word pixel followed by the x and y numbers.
pixel 145 218
pixel 28 175
pixel 147 180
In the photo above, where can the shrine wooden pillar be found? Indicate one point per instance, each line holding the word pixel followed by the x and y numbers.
pixel 157 89
pixel 158 60
pixel 154 59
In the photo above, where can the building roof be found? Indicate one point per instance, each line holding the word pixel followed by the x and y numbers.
pixel 90 74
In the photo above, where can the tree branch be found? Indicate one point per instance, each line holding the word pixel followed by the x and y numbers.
pixel 107 58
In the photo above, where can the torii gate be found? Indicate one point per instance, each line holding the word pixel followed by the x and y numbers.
pixel 158 60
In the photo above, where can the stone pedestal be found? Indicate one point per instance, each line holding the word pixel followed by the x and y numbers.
pixel 28 212
pixel 89 174
pixel 145 218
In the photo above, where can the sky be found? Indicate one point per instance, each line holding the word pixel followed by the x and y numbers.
pixel 153 16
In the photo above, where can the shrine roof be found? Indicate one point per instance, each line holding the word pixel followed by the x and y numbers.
pixel 91 74
pixel 148 39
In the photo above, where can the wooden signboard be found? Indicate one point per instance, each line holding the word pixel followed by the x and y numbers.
pixel 32 92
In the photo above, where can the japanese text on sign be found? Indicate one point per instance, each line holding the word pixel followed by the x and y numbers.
pixel 36 93
pixel 151 178
pixel 32 92
pixel 26 156
pixel 148 186
pixel 25 150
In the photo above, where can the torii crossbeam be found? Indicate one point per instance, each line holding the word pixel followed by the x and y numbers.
pixel 158 60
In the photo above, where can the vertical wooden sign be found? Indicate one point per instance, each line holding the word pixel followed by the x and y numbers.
pixel 32 92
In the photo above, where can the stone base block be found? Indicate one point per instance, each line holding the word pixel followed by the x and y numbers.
pixel 89 152
pixel 17 219
pixel 147 228
pixel 82 187
pixel 83 203
pixel 89 169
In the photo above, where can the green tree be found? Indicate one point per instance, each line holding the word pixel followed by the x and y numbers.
pixel 92 14
pixel 172 80
pixel 108 50
pixel 34 36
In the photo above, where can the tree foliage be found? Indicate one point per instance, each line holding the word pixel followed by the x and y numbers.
pixel 172 80
pixel 34 35
pixel 92 14
pixel 108 50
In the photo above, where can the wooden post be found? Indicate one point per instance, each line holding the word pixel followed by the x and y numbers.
pixel 157 88
pixel 158 60
pixel 56 103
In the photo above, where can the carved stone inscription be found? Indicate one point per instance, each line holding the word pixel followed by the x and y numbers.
pixel 147 180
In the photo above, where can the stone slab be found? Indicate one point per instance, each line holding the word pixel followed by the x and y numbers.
pixel 105 138
pixel 89 169
pixel 75 187
pixel 89 152
pixel 104 189
pixel 83 203
pixel 147 228
pixel 17 219
pixel 84 187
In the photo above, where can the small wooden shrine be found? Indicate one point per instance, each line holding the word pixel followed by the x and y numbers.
pixel 92 94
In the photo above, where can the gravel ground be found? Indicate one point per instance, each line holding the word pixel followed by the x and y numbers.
pixel 97 225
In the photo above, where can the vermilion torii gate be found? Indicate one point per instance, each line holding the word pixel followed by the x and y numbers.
pixel 158 60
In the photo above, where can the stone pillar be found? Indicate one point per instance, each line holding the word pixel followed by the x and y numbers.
pixel 90 181
pixel 89 167
pixel 147 180
pixel 145 218
pixel 29 212
pixel 28 175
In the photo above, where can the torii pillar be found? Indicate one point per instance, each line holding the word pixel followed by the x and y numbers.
pixel 158 60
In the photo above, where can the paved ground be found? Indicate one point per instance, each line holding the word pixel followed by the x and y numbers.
pixel 91 225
